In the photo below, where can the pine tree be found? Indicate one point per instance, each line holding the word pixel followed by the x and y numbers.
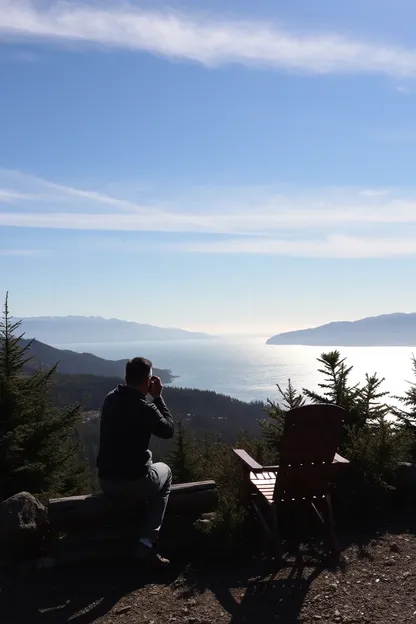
pixel 375 451
pixel 272 428
pixel 362 403
pixel 407 413
pixel 39 449
pixel 336 389
pixel 370 400
pixel 183 459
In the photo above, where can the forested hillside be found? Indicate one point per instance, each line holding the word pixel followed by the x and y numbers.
pixel 206 409
pixel 206 413
pixel 71 362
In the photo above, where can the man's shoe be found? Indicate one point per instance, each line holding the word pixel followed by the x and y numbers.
pixel 151 556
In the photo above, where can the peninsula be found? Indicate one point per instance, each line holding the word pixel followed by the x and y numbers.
pixel 397 329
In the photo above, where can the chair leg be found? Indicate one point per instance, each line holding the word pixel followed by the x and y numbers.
pixel 330 527
pixel 276 543
pixel 271 528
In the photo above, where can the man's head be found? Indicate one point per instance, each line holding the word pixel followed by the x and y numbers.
pixel 138 373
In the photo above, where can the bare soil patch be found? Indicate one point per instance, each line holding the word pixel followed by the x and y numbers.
pixel 375 584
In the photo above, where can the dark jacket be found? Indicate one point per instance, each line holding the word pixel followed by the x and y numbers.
pixel 128 420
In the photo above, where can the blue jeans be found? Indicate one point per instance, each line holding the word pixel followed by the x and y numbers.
pixel 154 488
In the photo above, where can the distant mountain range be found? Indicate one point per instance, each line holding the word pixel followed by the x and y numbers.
pixel 72 363
pixel 78 329
pixel 385 330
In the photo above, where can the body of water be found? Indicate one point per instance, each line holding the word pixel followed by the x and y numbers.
pixel 248 369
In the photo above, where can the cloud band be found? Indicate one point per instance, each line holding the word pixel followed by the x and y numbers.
pixel 200 38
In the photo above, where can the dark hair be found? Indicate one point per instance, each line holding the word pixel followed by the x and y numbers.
pixel 138 370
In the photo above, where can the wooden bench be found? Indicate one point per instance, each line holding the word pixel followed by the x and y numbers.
pixel 81 512
pixel 97 526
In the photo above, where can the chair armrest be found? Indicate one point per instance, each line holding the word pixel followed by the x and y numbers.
pixel 247 460
pixel 338 459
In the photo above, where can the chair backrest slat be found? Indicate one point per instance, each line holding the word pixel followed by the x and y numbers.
pixel 310 440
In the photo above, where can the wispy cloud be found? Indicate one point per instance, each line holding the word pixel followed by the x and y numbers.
pixel 336 246
pixel 23 252
pixel 207 39
pixel 7 196
pixel 55 196
pixel 337 222
pixel 403 89
pixel 286 218
pixel 39 203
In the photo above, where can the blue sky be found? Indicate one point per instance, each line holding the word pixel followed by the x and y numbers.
pixel 231 166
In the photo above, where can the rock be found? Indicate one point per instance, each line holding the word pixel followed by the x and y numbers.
pixel 394 547
pixel 23 526
pixel 123 610
pixel 203 524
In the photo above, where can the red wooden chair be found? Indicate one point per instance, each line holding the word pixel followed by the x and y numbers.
pixel 308 463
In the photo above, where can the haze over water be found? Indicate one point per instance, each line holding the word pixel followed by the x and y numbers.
pixel 247 369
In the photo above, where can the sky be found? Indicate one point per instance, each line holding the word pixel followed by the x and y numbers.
pixel 229 166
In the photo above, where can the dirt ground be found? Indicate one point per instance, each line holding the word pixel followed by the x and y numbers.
pixel 376 583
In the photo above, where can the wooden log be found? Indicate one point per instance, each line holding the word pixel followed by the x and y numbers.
pixel 83 512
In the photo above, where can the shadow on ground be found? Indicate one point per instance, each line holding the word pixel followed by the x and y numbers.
pixel 81 596
pixel 264 592
pixel 71 594
pixel 245 590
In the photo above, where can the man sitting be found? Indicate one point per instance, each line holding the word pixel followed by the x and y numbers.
pixel 124 461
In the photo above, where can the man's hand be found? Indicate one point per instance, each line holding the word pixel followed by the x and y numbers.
pixel 156 387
